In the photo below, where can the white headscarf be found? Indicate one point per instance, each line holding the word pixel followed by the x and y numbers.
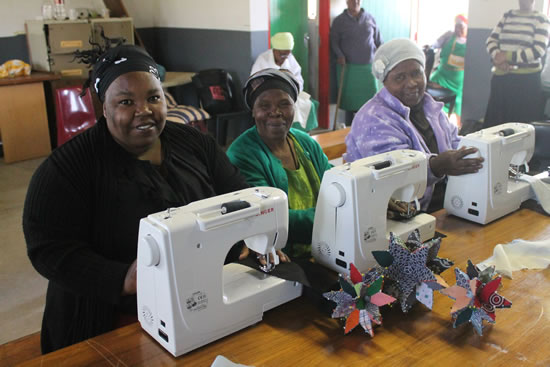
pixel 391 53
pixel 282 41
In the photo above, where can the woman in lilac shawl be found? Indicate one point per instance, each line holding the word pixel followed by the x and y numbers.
pixel 403 116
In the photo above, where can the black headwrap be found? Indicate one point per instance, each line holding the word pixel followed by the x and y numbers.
pixel 269 79
pixel 117 61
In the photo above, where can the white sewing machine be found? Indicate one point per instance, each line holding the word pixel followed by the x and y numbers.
pixel 350 218
pixel 186 296
pixel 492 193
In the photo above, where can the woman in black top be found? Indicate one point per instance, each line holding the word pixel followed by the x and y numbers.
pixel 85 201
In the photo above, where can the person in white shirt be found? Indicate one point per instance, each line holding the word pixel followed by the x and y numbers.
pixel 280 57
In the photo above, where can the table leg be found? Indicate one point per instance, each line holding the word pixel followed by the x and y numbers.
pixel 24 122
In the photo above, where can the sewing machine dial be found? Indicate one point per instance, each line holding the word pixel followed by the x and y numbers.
pixel 151 252
pixel 336 194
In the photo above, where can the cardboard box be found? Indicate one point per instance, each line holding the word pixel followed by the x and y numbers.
pixel 68 36
pixel 67 66
pixel 113 28
pixel 51 42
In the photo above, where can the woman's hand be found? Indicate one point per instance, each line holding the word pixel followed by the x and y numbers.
pixel 282 258
pixel 130 281
pixel 500 61
pixel 500 58
pixel 245 251
pixel 453 163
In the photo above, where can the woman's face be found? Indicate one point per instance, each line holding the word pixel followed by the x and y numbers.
pixel 135 110
pixel 461 29
pixel 407 82
pixel 527 5
pixel 354 6
pixel 280 56
pixel 273 113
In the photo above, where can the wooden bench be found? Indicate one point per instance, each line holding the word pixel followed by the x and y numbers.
pixel 333 142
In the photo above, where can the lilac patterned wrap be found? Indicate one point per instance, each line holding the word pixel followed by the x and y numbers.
pixel 383 125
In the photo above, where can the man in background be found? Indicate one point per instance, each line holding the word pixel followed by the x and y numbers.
pixel 354 38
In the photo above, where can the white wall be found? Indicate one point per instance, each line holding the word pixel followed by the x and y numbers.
pixel 14 13
pixel 487 13
pixel 238 15
pixel 143 12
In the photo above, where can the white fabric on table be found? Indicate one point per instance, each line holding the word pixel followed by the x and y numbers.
pixel 221 361
pixel 517 255
pixel 541 188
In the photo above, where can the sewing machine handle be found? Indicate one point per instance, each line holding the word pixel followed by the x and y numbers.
pixel 211 219
pixel 234 205
pixel 506 132
pixel 388 168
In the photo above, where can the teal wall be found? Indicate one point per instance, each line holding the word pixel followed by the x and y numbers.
pixel 392 16
pixel 291 16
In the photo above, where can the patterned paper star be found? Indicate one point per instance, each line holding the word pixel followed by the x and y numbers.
pixel 414 281
pixel 359 299
pixel 475 297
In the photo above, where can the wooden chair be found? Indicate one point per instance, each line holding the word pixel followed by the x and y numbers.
pixel 74 114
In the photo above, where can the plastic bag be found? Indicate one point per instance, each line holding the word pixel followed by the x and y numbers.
pixel 13 68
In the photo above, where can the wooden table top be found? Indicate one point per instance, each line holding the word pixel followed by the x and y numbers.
pixel 333 142
pixel 298 334
pixel 35 77
pixel 175 78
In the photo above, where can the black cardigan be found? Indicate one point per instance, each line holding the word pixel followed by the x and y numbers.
pixel 82 213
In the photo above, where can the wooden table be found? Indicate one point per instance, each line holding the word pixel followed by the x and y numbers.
pixel 24 121
pixel 298 334
pixel 333 142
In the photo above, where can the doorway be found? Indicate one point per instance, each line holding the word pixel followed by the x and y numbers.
pixel 434 18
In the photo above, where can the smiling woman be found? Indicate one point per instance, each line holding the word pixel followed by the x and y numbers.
pixel 135 111
pixel 84 203
pixel 403 116
pixel 274 154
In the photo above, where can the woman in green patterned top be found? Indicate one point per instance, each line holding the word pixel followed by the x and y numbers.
pixel 450 72
pixel 271 153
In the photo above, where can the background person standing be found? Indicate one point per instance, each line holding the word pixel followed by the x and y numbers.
pixel 450 72
pixel 517 46
pixel 354 38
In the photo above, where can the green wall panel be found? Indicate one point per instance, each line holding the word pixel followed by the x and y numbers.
pixel 392 16
pixel 291 16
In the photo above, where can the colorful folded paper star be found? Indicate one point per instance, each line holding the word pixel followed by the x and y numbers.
pixel 406 267
pixel 360 299
pixel 475 297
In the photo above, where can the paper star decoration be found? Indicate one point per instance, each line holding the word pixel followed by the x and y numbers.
pixel 475 297
pixel 406 266
pixel 359 299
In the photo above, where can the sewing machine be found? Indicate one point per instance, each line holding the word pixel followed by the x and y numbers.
pixel 350 218
pixel 186 296
pixel 494 191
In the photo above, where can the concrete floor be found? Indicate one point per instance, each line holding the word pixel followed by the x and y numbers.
pixel 22 289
